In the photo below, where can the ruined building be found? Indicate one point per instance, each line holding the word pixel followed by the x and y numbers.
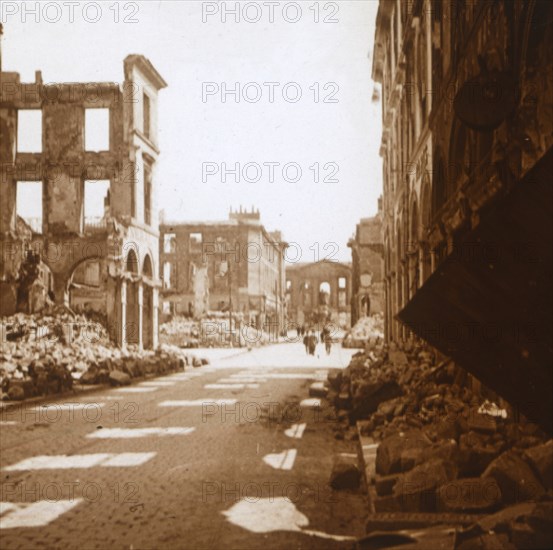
pixel 318 292
pixel 367 276
pixel 232 265
pixel 78 171
pixel 467 154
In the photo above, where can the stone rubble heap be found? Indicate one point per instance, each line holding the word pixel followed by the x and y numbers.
pixel 44 354
pixel 365 329
pixel 181 332
pixel 211 332
pixel 443 449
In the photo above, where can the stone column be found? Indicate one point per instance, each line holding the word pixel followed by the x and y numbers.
pixel 8 181
pixel 123 329
pixel 61 295
pixel 428 29
pixel 155 320
pixel 140 313
pixel 409 277
pixel 432 260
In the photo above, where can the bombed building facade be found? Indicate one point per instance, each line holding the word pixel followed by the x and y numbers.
pixel 467 92
pixel 318 292
pixel 234 266
pixel 367 276
pixel 86 154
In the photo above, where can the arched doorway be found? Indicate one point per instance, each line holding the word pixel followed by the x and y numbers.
pixel 324 294
pixel 132 308
pixel 425 222
pixel 147 305
pixel 364 306
pixel 414 266
pixel 439 190
pixel 324 303
pixel 87 288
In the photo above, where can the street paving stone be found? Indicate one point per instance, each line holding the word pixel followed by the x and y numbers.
pixel 136 390
pixel 45 409
pixel 281 461
pixel 196 402
pixel 230 386
pixel 295 431
pixel 242 380
pixel 311 402
pixel 61 462
pixel 114 433
pixel 35 514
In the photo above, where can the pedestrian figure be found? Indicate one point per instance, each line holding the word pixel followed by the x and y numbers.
pixel 328 342
pixel 306 343
pixel 326 337
pixel 312 342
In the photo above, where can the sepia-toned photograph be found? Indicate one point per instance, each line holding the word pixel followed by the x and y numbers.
pixel 276 275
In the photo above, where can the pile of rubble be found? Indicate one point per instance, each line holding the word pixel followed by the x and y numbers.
pixel 365 329
pixel 44 354
pixel 441 448
pixel 212 332
pixel 181 332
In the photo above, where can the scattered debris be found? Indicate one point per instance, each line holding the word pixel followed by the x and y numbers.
pixel 446 447
pixel 345 472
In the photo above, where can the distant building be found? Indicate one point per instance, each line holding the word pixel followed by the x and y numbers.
pixel 367 279
pixel 217 266
pixel 319 292
pixel 85 155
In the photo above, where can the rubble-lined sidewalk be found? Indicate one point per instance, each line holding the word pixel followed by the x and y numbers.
pixel 441 462
pixel 46 354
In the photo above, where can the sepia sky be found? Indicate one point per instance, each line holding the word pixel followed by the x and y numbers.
pixel 327 59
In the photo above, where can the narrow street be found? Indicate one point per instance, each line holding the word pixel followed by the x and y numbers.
pixel 234 451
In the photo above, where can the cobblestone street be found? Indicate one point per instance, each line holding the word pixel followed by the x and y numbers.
pixel 163 463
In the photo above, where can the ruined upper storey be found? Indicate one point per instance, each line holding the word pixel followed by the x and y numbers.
pixel 89 149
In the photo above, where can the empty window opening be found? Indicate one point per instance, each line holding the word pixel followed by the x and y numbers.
pixel 288 285
pixel 147 115
pixel 88 273
pixel 169 243
pixel 132 261
pixel 167 268
pixel 341 282
pixel 223 268
pixel 324 293
pixel 29 131
pixel 96 203
pixel 96 125
pixel 147 194
pixel 195 242
pixel 28 203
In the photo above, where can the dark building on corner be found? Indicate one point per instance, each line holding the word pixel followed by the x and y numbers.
pixel 467 92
